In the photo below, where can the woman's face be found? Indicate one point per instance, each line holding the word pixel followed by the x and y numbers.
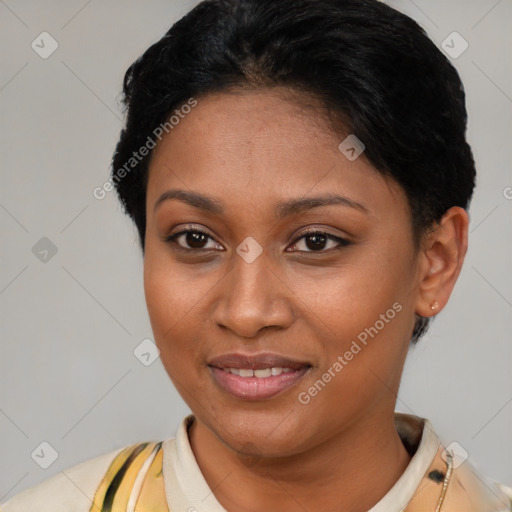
pixel 253 291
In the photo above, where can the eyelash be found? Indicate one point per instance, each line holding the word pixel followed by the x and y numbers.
pixel 341 241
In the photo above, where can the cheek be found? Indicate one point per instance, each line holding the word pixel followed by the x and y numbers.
pixel 172 292
pixel 351 297
pixel 176 299
pixel 168 299
pixel 363 314
pixel 167 307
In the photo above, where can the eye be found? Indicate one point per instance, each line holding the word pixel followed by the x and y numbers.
pixel 316 241
pixel 191 240
pixel 194 239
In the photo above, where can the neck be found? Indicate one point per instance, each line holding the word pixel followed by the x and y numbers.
pixel 351 471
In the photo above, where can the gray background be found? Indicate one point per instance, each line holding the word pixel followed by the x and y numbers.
pixel 68 374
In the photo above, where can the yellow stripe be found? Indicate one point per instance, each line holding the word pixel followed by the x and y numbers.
pixel 115 466
pixel 124 490
pixel 152 495
pixel 124 482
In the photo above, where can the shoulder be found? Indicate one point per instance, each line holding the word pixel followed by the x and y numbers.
pixel 76 488
pixel 455 483
pixel 474 490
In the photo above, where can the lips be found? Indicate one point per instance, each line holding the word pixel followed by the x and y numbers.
pixel 256 361
pixel 256 377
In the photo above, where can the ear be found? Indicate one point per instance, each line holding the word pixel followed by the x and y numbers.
pixel 442 254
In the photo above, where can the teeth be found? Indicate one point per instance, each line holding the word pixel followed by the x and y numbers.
pixel 266 372
pixel 260 374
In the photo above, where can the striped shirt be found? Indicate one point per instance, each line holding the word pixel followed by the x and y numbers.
pixel 163 476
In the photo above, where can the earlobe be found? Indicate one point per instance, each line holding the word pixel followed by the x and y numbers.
pixel 443 252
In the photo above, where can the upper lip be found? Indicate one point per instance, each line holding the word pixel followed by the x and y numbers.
pixel 256 361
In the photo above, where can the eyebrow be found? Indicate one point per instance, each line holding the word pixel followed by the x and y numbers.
pixel 282 210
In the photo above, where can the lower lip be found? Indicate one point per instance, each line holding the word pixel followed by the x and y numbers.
pixel 254 388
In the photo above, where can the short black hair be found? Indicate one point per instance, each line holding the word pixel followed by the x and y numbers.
pixel 366 61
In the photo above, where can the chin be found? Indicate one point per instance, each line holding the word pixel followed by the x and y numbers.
pixel 264 433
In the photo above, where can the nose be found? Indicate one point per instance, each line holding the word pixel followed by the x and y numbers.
pixel 253 297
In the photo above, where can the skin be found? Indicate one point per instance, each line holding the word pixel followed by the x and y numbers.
pixel 251 150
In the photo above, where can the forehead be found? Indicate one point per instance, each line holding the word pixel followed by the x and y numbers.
pixel 279 124
pixel 259 146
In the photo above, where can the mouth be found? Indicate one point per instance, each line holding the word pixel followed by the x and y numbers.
pixel 256 377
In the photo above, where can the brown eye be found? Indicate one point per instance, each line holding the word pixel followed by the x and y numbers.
pixel 317 241
pixel 195 240
pixel 190 240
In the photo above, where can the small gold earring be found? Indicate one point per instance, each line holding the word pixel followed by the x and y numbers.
pixel 434 306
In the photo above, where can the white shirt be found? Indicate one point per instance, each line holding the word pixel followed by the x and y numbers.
pixel 184 488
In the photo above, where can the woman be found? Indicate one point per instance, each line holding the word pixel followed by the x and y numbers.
pixel 299 177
